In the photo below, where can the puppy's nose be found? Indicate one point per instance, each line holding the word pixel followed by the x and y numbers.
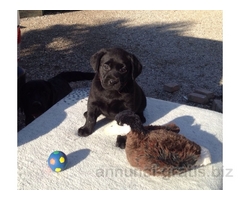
pixel 113 82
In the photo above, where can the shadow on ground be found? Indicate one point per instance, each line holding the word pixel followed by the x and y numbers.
pixel 160 48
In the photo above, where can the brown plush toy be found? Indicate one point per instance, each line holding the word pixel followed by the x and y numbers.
pixel 158 150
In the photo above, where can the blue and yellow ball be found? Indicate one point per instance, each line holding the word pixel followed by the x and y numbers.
pixel 57 161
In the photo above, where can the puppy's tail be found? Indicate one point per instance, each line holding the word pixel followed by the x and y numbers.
pixel 73 76
pixel 130 118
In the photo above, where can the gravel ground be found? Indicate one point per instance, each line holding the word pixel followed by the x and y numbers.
pixel 184 47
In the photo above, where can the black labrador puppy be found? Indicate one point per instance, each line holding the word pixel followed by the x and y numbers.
pixel 113 88
pixel 37 96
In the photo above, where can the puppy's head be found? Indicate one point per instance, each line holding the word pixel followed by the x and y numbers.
pixel 35 97
pixel 115 67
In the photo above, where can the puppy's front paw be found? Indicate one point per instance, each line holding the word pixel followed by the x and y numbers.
pixel 83 132
pixel 123 117
pixel 128 117
pixel 118 119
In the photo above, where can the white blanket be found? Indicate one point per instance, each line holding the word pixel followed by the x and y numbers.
pixel 95 163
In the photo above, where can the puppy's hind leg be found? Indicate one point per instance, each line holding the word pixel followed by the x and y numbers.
pixel 121 141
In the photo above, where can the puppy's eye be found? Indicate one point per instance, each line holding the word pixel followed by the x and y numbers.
pixel 123 69
pixel 106 67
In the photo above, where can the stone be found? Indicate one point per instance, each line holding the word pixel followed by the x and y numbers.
pixel 205 92
pixel 217 105
pixel 171 87
pixel 198 98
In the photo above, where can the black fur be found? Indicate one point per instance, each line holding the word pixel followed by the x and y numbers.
pixel 37 96
pixel 114 88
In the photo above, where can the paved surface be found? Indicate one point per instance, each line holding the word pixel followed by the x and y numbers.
pixel 184 47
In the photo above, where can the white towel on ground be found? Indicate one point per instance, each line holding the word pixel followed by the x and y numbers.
pixel 95 163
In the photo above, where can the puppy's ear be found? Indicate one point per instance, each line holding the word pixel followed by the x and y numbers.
pixel 136 66
pixel 95 59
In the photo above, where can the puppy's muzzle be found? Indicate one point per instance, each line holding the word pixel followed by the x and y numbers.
pixel 113 81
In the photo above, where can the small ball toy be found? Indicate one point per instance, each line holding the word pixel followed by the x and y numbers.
pixel 57 161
